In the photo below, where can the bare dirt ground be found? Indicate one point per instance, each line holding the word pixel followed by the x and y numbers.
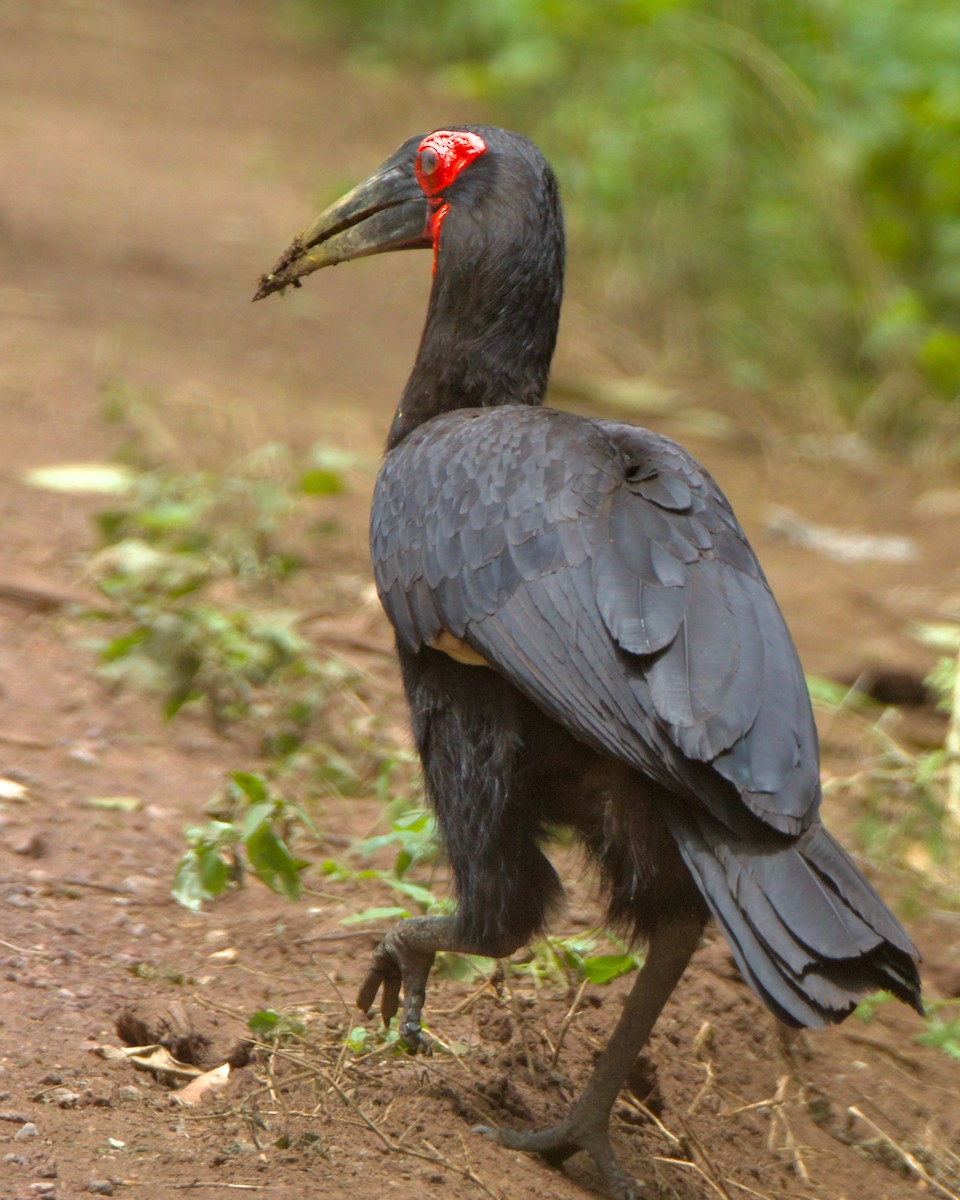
pixel 153 160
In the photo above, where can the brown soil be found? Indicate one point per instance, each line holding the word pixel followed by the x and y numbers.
pixel 154 159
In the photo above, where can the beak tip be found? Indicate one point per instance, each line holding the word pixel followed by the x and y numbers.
pixel 265 285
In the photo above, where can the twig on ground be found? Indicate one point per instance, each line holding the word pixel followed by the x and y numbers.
pixel 777 1105
pixel 493 983
pixel 398 1148
pixel 567 1022
pixel 790 1143
pixel 908 1159
pixel 692 1166
pixel 706 1087
pixel 711 1174
pixel 22 949
pixel 677 1143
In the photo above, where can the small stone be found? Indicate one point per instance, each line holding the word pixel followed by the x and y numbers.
pixel 100 1187
pixel 14 1118
pixel 28 1130
pixel 48 1172
pixel 63 1098
pixel 43 1188
pixel 33 845
pixel 52 1077
pixel 16 1159
pixel 128 1092
pixel 140 885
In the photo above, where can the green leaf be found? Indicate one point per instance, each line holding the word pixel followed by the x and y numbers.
pixel 388 913
pixel 187 888
pixel 214 872
pixel 320 482
pixel 273 863
pixel 254 817
pixel 269 1025
pixel 414 820
pixel 357 1039
pixel 212 833
pixel 604 967
pixel 423 896
pixel 464 968
pixel 253 786
pixel 263 1024
pixel 126 643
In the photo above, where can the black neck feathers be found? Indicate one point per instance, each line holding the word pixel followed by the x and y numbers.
pixel 494 308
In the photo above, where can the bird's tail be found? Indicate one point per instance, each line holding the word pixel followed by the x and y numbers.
pixel 808 932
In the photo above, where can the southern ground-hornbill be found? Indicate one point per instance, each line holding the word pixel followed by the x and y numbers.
pixel 586 639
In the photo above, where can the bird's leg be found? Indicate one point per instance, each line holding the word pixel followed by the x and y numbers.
pixel 404 959
pixel 586 1126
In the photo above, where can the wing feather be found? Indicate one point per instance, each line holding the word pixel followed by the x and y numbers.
pixel 601 570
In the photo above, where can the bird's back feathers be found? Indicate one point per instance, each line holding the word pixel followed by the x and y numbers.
pixel 599 569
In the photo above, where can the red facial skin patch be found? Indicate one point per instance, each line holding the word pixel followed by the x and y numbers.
pixel 441 156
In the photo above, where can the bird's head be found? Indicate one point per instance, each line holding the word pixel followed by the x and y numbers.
pixel 470 185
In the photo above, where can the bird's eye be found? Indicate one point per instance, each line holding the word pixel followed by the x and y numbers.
pixel 429 162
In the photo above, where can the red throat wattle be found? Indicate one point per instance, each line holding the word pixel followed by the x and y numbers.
pixel 441 156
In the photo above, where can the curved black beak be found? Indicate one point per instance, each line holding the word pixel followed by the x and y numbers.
pixel 388 211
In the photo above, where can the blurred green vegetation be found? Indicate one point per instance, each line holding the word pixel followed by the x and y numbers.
pixel 771 189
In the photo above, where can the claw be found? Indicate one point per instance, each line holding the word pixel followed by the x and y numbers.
pixel 399 962
pixel 556 1145
pixel 415 1041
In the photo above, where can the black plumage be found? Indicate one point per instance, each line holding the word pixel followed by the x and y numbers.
pixel 586 638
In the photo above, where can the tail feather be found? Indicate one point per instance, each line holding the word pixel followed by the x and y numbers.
pixel 835 866
pixel 766 971
pixel 808 932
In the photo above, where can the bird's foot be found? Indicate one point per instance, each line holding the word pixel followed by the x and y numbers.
pixel 402 961
pixel 556 1144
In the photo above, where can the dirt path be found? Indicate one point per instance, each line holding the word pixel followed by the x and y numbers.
pixel 153 159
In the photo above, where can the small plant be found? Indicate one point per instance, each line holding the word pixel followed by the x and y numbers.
pixel 192 651
pixel 413 831
pixel 945 681
pixel 178 547
pixel 942 1034
pixel 268 1025
pixel 906 795
pixel 869 1006
pixel 571 960
pixel 252 834
pixel 234 519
